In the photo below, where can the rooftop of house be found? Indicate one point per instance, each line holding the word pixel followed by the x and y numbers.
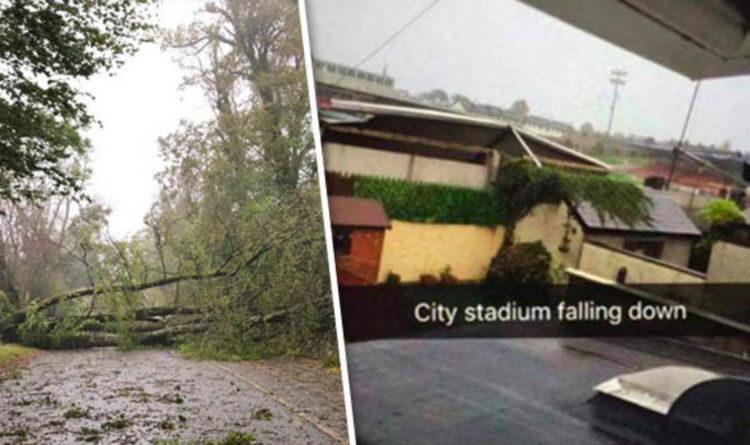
pixel 683 175
pixel 667 218
pixel 357 212
pixel 510 117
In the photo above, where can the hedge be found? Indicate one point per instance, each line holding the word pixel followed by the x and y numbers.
pixel 433 203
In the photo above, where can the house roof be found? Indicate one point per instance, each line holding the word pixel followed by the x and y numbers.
pixel 696 178
pixel 668 218
pixel 357 212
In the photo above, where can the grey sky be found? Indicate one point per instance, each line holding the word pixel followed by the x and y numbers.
pixel 497 51
pixel 136 106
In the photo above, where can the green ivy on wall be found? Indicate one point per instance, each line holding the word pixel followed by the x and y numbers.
pixel 434 203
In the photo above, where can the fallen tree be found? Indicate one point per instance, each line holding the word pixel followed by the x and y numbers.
pixel 225 311
pixel 172 328
pixel 11 323
pixel 148 326
pixel 164 336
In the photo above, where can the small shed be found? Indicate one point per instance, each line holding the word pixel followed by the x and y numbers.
pixel 358 227
pixel 669 236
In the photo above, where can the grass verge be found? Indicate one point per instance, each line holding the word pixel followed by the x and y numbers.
pixel 13 356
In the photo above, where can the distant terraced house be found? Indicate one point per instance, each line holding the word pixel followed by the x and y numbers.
pixel 537 125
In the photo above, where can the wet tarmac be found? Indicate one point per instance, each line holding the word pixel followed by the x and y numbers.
pixel 509 391
pixel 110 396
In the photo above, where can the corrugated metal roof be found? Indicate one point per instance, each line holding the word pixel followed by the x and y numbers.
pixel 474 127
pixel 565 150
pixel 398 110
pixel 357 212
pixel 341 117
pixel 667 218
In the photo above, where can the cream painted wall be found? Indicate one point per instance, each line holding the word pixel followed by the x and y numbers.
pixel 729 263
pixel 605 262
pixel 347 159
pixel 443 171
pixel 413 249
pixel 676 250
pixel 363 161
pixel 610 240
pixel 547 223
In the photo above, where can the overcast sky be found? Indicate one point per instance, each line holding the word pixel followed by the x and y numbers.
pixel 136 106
pixel 494 51
pixel 497 51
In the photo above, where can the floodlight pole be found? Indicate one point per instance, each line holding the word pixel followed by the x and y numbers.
pixel 677 148
pixel 617 79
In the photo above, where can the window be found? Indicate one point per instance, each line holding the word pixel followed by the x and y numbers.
pixel 651 248
pixel 342 240
pixel 622 275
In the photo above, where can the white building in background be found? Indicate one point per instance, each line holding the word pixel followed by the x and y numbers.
pixel 347 77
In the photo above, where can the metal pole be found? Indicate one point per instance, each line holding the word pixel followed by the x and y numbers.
pixel 612 111
pixel 617 79
pixel 675 151
pixel 678 147
pixel 690 111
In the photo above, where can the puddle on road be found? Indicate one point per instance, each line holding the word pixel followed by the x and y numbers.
pixel 109 396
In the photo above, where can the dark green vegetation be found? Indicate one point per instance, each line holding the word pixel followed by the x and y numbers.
pixel 19 433
pixel 719 215
pixel 521 263
pixel 231 260
pixel 262 414
pixel 74 412
pixel 721 211
pixel 232 438
pixel 45 48
pixel 520 186
pixel 434 203
pixel 525 186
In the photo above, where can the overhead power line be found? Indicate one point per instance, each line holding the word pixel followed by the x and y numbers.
pixel 398 32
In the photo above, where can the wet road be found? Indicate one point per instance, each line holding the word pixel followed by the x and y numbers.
pixel 109 396
pixel 529 391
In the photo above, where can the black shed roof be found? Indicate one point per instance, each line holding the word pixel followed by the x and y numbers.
pixel 667 216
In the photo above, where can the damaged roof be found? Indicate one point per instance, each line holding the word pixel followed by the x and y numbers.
pixel 443 127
